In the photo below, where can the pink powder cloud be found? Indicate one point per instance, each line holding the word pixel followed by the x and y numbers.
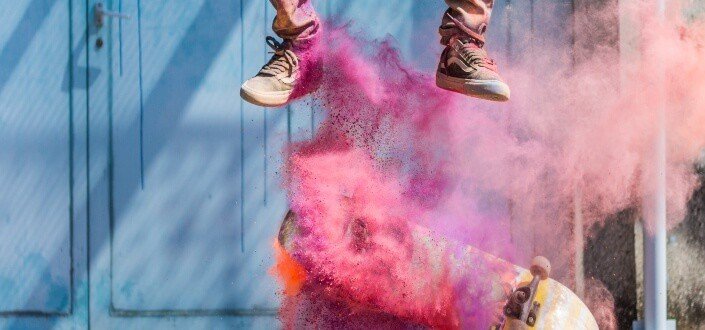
pixel 398 152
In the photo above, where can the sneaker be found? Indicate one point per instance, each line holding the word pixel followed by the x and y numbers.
pixel 465 68
pixel 273 85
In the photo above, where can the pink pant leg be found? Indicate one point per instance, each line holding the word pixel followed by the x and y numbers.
pixel 296 21
pixel 469 17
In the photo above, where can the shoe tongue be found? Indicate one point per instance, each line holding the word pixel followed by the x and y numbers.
pixel 470 43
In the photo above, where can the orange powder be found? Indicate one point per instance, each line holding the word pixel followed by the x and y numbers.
pixel 287 270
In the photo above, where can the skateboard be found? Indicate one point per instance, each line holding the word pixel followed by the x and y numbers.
pixel 519 298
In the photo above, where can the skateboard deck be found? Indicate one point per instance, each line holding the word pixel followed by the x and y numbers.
pixel 449 263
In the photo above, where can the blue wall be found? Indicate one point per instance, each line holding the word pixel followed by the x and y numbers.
pixel 139 191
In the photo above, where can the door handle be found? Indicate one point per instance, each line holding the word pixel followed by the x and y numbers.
pixel 99 14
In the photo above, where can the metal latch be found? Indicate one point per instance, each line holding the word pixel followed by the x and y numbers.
pixel 99 14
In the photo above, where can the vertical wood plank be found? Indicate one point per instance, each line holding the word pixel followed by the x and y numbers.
pixel 262 200
pixel 498 47
pixel 299 119
pixel 277 138
pixel 553 36
pixel 498 41
pixel 239 59
pixel 553 29
pixel 318 113
pixel 252 150
pixel 519 38
pixel 99 88
pixel 520 26
pixel 78 59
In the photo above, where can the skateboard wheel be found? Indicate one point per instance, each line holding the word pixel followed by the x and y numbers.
pixel 287 230
pixel 540 266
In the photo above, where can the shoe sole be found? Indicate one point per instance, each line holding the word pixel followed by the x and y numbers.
pixel 493 90
pixel 270 100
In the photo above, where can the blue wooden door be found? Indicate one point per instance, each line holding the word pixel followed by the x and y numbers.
pixel 35 131
pixel 186 202
pixel 139 191
pixel 42 166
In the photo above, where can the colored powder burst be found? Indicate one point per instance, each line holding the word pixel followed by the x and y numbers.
pixel 398 152
pixel 289 272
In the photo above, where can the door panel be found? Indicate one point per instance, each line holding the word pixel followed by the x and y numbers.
pixel 187 173
pixel 35 158
pixel 168 215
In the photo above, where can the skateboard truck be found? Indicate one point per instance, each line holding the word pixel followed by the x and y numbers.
pixel 521 305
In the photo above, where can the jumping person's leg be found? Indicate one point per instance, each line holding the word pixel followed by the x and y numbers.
pixel 297 24
pixel 296 21
pixel 465 66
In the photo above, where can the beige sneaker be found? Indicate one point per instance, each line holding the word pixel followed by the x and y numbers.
pixel 466 68
pixel 273 85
